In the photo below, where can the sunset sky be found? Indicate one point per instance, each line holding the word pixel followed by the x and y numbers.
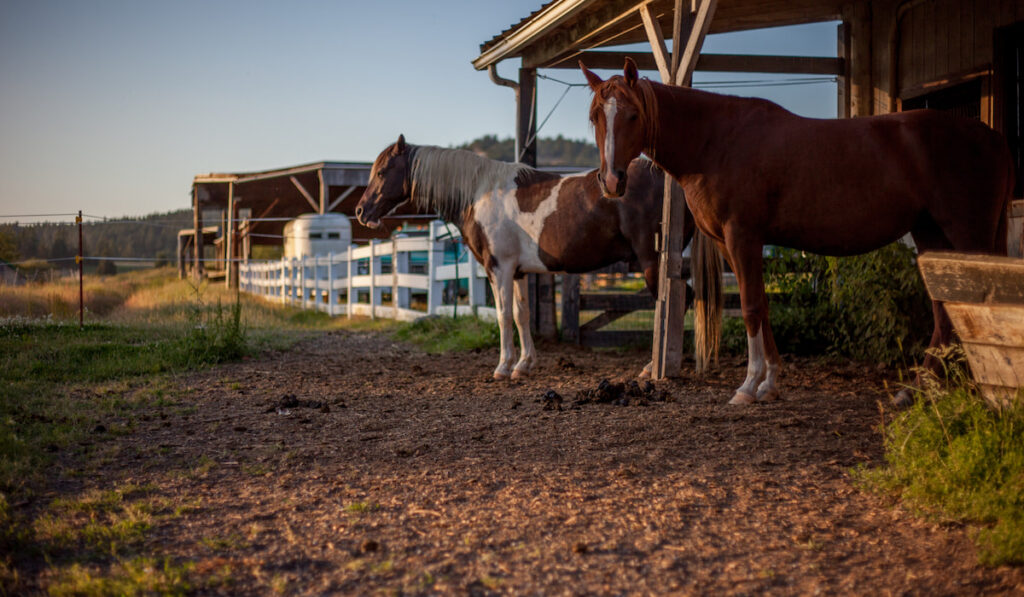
pixel 113 106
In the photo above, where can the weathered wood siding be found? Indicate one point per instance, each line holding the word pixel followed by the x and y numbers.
pixel 984 297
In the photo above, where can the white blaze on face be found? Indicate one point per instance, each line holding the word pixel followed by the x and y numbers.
pixel 610 107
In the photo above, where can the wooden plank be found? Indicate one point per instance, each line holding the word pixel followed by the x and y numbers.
pixel 603 319
pixel 305 193
pixel 571 301
pixel 723 63
pixel 996 366
pixel 996 325
pixel 592 301
pixel 657 41
pixel 694 42
pixel 962 278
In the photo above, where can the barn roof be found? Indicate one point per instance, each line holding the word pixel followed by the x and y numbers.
pixel 561 29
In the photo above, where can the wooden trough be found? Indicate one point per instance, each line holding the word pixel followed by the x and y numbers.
pixel 984 296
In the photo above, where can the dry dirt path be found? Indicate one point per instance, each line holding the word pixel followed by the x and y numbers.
pixel 399 472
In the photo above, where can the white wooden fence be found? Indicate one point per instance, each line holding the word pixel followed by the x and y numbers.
pixel 403 278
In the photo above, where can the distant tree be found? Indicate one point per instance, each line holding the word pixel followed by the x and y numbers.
pixel 557 151
pixel 8 246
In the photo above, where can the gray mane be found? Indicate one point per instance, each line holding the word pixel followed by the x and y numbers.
pixel 448 181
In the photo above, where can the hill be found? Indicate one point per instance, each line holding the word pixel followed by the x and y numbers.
pixel 556 151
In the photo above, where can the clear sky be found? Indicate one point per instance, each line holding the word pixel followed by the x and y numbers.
pixel 112 106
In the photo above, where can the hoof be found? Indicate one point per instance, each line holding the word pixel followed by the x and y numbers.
pixel 646 372
pixel 499 376
pixel 520 374
pixel 903 399
pixel 768 395
pixel 742 398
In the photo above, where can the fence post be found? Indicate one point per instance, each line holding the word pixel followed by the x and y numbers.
pixel 571 308
pixel 349 299
pixel 373 278
pixel 433 287
pixel 81 290
pixel 331 293
pixel 394 279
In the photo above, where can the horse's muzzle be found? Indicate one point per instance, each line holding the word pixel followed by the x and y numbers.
pixel 613 185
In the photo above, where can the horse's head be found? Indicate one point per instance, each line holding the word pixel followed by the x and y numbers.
pixel 619 116
pixel 389 186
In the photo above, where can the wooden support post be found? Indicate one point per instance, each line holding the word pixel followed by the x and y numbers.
pixel 197 228
pixel 571 308
pixel 541 287
pixel 843 80
pixel 857 18
pixel 670 307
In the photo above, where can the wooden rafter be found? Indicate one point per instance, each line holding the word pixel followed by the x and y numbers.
pixel 694 42
pixel 341 198
pixel 657 39
pixel 722 63
pixel 305 193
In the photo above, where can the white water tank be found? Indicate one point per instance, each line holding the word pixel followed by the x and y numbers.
pixel 317 234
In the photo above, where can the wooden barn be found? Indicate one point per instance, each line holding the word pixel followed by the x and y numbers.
pixel 252 208
pixel 965 56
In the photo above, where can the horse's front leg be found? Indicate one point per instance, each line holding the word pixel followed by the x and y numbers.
pixel 521 311
pixel 501 286
pixel 762 354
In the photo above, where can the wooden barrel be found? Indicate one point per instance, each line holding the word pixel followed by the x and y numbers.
pixel 984 296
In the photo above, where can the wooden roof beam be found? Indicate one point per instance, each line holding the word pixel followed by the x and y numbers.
pixel 657 39
pixel 305 193
pixel 694 42
pixel 722 63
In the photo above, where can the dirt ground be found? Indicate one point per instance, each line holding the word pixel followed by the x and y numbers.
pixel 353 464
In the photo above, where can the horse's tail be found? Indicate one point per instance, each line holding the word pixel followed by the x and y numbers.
pixel 706 268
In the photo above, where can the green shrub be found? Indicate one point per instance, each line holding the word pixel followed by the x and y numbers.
pixel 870 307
pixel 954 458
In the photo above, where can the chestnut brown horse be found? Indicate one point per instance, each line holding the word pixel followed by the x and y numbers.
pixel 755 174
pixel 518 220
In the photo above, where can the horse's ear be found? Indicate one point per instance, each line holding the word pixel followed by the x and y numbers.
pixel 593 80
pixel 629 72
pixel 400 145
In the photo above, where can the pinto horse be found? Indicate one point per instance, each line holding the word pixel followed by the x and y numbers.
pixel 518 220
pixel 756 174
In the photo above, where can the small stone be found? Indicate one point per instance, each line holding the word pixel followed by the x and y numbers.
pixel 580 547
pixel 370 546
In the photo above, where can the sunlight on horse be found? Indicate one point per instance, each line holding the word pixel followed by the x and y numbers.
pixel 756 174
pixel 518 220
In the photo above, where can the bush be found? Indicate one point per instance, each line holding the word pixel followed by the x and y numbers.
pixel 870 307
pixel 954 458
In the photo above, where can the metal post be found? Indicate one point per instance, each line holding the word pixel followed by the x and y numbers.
pixel 79 259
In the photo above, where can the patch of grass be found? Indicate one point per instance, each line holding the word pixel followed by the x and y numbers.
pixel 138 576
pixel 361 507
pixel 955 459
pixel 444 334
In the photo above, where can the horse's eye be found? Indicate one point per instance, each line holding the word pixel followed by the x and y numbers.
pixel 633 117
pixel 380 174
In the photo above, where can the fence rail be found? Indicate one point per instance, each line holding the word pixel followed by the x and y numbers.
pixel 405 278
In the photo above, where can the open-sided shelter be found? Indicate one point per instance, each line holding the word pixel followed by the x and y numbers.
pixel 960 55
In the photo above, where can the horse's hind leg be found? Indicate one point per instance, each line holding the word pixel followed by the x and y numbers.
pixel 527 355
pixel 929 237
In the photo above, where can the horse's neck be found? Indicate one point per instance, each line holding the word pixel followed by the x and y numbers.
pixel 691 125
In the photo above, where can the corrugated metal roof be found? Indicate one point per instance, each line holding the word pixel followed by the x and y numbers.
pixel 497 38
